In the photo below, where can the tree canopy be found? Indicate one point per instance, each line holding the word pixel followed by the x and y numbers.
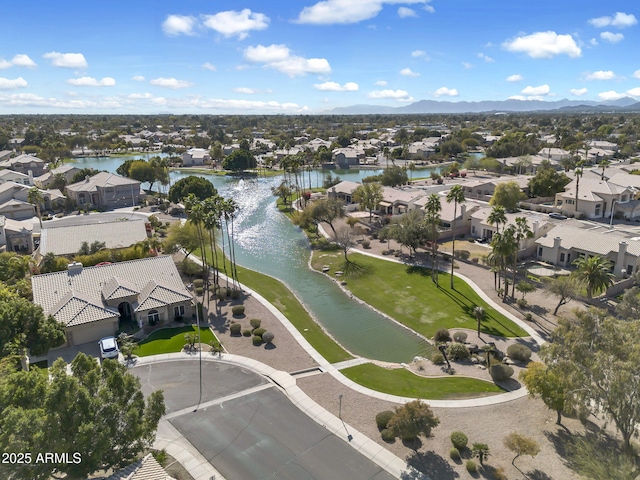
pixel 368 195
pixel 547 182
pixel 239 160
pixel 390 177
pixel 98 414
pixel 200 187
pixel 507 195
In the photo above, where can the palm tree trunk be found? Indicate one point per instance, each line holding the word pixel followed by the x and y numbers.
pixel 453 244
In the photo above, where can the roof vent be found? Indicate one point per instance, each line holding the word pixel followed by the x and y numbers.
pixel 74 267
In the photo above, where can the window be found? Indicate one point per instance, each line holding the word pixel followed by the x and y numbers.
pixel 539 251
pixel 629 269
pixel 473 229
pixel 153 317
pixel 623 199
pixel 562 257
pixel 597 212
pixel 178 311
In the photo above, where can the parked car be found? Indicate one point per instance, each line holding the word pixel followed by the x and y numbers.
pixel 557 216
pixel 109 347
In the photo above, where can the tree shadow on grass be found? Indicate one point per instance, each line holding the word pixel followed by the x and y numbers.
pixel 353 269
pixel 429 465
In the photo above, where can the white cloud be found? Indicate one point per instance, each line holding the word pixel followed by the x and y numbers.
pixel 515 78
pixel 137 96
pixel 280 58
pixel 467 65
pixel 209 66
pixel 66 60
pixel 611 37
pixel 429 8
pixel 401 95
pixel 170 83
pixel 611 95
pixel 406 12
pixel 594 42
pixel 9 84
pixel 601 75
pixel 418 54
pixel 236 24
pixel 22 60
pixel 336 87
pixel 384 83
pixel 445 91
pixel 634 92
pixel 5 64
pixel 347 11
pixel 138 78
pixel 247 90
pixel 544 45
pixel 619 20
pixel 578 92
pixel 407 72
pixel 636 74
pixel 92 82
pixel 179 25
pixel 536 91
pixel 486 58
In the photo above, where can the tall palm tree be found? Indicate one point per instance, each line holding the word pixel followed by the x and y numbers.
pixel 578 172
pixel 35 198
pixel 195 214
pixel 594 272
pixel 521 231
pixel 455 195
pixel 504 247
pixel 432 209
pixel 498 216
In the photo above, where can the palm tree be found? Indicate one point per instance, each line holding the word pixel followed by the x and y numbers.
pixel 35 198
pixel 480 450
pixel 521 232
pixel 594 272
pixel 432 222
pixel 498 216
pixel 504 247
pixel 455 195
pixel 578 172
pixel 478 312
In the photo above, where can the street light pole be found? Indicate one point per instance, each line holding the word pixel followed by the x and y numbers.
pixel 340 409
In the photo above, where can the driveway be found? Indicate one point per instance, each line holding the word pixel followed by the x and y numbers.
pixel 69 353
pixel 247 428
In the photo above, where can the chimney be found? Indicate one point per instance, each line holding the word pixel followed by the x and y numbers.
pixel 534 224
pixel 463 210
pixel 620 260
pixel 556 242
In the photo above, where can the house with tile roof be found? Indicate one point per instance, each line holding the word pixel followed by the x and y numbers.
pixel 14 200
pixel 91 302
pixel 25 164
pixel 67 171
pixel 596 198
pixel 196 157
pixel 16 235
pixel 145 469
pixel 105 190
pixel 15 177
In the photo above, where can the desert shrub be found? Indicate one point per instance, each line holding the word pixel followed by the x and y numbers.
pixel 437 358
pixel 267 337
pixel 382 419
pixel 387 435
pixel 522 303
pixel 463 254
pixel 457 351
pixel 499 474
pixel 519 352
pixel 237 310
pixel 257 340
pixel 458 439
pixel 501 372
pixel 198 282
pixel 460 337
pixel 235 294
pixel 454 453
pixel 259 331
pixel 475 259
pixel 255 322
pixel 198 290
pixel 442 335
pixel 366 244
pixel 528 317
pixel 235 329
pixel 471 467
pixel 246 333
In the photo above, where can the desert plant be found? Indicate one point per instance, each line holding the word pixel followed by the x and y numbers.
pixel 459 440
pixel 198 282
pixel 259 332
pixel 457 351
pixel 257 340
pixel 522 303
pixel 382 419
pixel 255 322
pixel 198 290
pixel 460 337
pixel 387 435
pixel 480 450
pixel 519 352
pixel 463 254
pixel 246 333
pixel 471 466
pixel 442 335
pixel 235 329
pixel 454 453
pixel 237 310
pixel 437 358
pixel 366 244
pixel 267 337
pixel 528 316
pixel 501 373
pixel 235 294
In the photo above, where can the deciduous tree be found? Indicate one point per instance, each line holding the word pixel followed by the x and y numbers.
pixel 413 419
pixel 521 445
pixel 368 195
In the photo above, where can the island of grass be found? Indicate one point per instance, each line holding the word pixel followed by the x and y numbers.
pixel 170 340
pixel 407 294
pixel 404 383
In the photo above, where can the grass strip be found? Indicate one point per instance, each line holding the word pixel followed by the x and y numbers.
pixel 406 293
pixel 404 383
pixel 170 340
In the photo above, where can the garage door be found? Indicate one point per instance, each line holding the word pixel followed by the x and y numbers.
pixel 92 332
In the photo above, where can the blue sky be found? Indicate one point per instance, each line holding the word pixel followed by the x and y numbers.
pixel 302 56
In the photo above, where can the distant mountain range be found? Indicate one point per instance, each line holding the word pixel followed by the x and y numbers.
pixel 626 104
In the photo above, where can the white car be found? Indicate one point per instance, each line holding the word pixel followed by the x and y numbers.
pixel 109 347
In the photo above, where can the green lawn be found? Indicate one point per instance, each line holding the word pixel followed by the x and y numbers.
pixel 169 340
pixel 404 383
pixel 281 297
pixel 407 294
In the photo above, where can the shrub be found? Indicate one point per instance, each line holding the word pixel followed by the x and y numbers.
pixel 454 453
pixel 267 337
pixel 198 290
pixel 246 333
pixel 366 244
pixel 472 468
pixel 458 439
pixel 235 294
pixel 259 332
pixel 235 329
pixel 460 337
pixel 501 372
pixel 463 254
pixel 221 293
pixel 522 303
pixel 528 317
pixel 382 419
pixel 198 282
pixel 437 358
pixel 475 259
pixel 519 352
pixel 442 335
pixel 457 351
pixel 257 341
pixel 387 435
pixel 237 310
pixel 255 322
pixel 498 474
